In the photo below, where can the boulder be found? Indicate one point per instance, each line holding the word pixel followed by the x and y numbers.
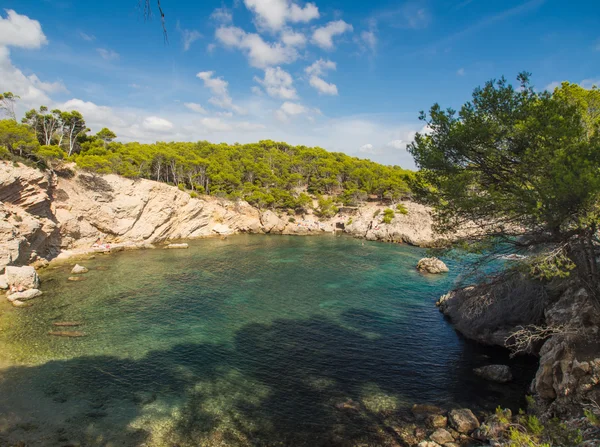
pixel 21 278
pixel 441 436
pixel 495 373
pixel 3 283
pixel 428 444
pixel 178 245
pixel 25 295
pixel 463 420
pixel 437 421
pixel 79 269
pixel 432 265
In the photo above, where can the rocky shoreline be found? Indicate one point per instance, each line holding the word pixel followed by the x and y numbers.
pixel 46 215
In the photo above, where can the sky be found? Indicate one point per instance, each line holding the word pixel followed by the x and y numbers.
pixel 349 76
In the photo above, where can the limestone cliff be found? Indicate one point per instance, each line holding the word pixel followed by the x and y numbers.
pixel 46 213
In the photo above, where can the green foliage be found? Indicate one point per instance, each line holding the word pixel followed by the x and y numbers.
pixel 349 222
pixel 181 187
pixel 592 417
pixel 17 139
pixel 388 216
pixel 376 213
pixel 292 220
pixel 194 195
pixel 519 164
pixel 528 430
pixel 326 207
pixel 401 209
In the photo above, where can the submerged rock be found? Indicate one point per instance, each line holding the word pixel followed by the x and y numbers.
pixel 178 246
pixel 75 278
pixel 66 333
pixel 432 265
pixel 437 421
pixel 79 269
pixel 21 278
pixel 25 295
pixel 17 303
pixel 463 420
pixel 68 324
pixel 425 410
pixel 495 373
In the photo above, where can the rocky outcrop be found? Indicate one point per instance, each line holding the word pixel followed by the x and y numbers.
pixel 19 279
pixel 463 420
pixel 432 265
pixel 558 322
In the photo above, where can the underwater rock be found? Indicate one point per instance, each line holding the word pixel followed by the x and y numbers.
pixel 75 278
pixel 17 303
pixel 432 265
pixel 24 296
pixel 68 323
pixel 79 269
pixel 424 410
pixel 437 421
pixel 495 373
pixel 66 333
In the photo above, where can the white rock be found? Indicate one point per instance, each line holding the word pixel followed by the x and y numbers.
pixel 3 283
pixel 222 229
pixel 432 265
pixel 178 246
pixel 25 295
pixel 79 269
pixel 21 277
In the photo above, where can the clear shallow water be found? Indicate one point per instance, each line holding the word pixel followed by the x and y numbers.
pixel 253 340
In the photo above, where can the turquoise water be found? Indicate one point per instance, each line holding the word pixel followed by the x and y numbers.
pixel 253 340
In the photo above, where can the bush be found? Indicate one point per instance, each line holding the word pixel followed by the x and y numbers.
pixel 194 195
pixel 376 213
pixel 327 207
pixel 401 209
pixel 349 222
pixel 291 220
pixel 388 216
pixel 181 187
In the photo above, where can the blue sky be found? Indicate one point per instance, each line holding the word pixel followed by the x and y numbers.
pixel 346 76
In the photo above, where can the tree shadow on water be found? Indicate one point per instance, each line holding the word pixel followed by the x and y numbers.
pixel 311 382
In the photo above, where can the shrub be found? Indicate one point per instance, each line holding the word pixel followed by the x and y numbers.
pixel 376 213
pixel 194 195
pixel 349 222
pixel 291 220
pixel 181 187
pixel 388 216
pixel 327 207
pixel 401 209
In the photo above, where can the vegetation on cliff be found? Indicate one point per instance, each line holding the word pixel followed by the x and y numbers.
pixel 267 174
pixel 524 166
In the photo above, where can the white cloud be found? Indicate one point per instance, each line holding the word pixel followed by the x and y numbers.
pixel 256 90
pixel 108 55
pixel 157 124
pixel 396 144
pixel 278 83
pixel 195 107
pixel 316 71
pixel 219 88
pixel 215 125
pixel 322 86
pixel 369 39
pixel 460 72
pixel 100 116
pixel 589 83
pixel 274 14
pixel 48 87
pixel 290 109
pixel 15 81
pixel 550 87
pixel 293 38
pixel 20 31
pixel 222 15
pixel 260 54
pixel 188 37
pixel 323 37
pixel 367 148
pixel 87 37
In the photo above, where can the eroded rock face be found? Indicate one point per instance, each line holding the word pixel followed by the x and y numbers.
pixel 432 265
pixel 495 373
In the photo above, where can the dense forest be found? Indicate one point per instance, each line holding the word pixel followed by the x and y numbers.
pixel 267 174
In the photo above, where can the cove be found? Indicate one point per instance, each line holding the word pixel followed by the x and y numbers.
pixel 252 340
